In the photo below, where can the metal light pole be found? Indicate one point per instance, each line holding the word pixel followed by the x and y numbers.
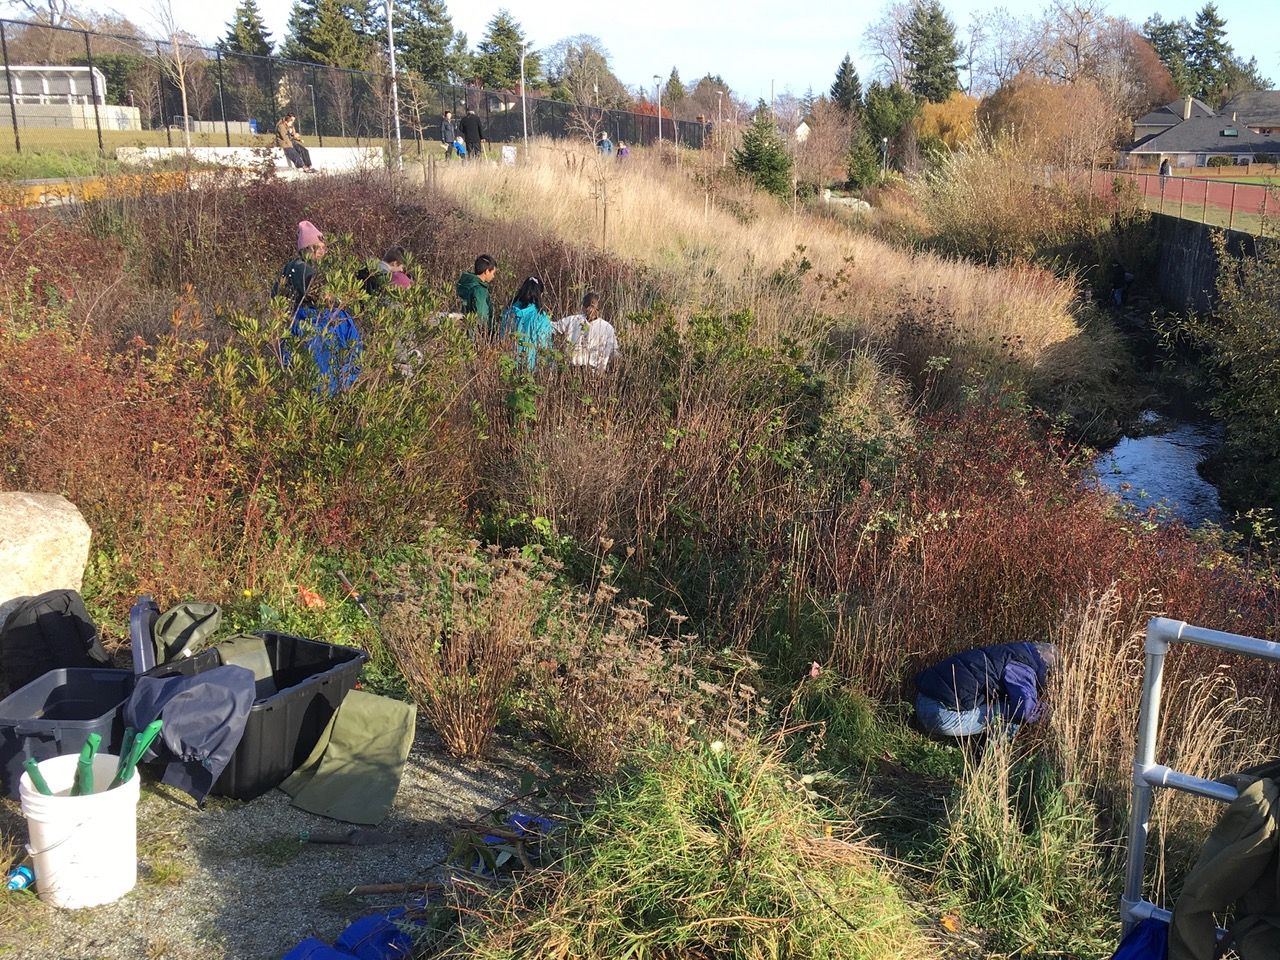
pixel 657 85
pixel 524 101
pixel 884 156
pixel 720 123
pixel 395 86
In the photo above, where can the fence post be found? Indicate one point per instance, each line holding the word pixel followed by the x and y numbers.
pixel 222 102
pixel 315 113
pixel 13 99
pixel 1182 195
pixel 271 90
pixel 1204 207
pixel 93 92
pixel 168 134
pixel 1231 219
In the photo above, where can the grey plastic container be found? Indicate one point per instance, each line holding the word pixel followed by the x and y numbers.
pixel 55 714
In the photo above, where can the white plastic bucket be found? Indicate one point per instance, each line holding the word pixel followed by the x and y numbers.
pixel 84 849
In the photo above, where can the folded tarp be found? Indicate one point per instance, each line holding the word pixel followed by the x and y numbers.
pixel 355 769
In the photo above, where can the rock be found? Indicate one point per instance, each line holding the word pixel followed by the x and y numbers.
pixel 44 545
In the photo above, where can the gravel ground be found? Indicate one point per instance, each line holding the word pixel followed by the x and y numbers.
pixel 231 882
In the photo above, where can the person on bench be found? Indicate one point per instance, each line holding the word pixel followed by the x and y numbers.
pixel 290 141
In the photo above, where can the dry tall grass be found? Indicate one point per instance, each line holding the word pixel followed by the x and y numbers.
pixel 1208 728
pixel 722 244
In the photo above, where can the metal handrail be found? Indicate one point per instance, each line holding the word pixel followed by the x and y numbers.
pixel 1147 774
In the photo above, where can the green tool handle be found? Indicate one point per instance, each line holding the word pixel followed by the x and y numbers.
pixel 141 744
pixel 126 744
pixel 83 785
pixel 37 778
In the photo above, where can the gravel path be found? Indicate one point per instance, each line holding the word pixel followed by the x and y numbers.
pixel 232 882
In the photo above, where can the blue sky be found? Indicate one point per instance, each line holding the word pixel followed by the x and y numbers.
pixel 748 42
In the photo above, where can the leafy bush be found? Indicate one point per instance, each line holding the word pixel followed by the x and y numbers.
pixel 1221 162
pixel 711 852
pixel 1241 340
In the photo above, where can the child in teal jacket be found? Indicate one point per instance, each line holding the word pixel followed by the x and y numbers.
pixel 528 323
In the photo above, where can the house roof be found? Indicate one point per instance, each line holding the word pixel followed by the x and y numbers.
pixel 1204 135
pixel 1257 107
pixel 1171 113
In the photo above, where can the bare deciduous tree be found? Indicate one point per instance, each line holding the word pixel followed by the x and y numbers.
pixel 883 40
pixel 175 61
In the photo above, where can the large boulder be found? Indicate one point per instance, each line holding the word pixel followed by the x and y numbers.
pixel 44 545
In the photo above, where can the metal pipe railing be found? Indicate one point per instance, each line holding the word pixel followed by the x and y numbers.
pixel 1147 773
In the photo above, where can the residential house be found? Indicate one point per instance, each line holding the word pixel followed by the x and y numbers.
pixel 1245 130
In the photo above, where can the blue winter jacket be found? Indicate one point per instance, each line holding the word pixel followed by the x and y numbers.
pixel 334 343
pixel 1012 674
pixel 531 328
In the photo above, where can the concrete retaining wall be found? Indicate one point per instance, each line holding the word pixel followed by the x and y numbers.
pixel 1187 263
pixel 332 159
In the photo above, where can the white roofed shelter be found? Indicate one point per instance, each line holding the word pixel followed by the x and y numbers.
pixel 54 84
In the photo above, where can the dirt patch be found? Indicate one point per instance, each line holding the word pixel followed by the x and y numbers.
pixel 234 882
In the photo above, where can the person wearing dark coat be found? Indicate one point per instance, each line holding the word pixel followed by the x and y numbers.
pixel 966 693
pixel 472 133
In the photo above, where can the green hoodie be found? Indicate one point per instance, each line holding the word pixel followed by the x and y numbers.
pixel 474 293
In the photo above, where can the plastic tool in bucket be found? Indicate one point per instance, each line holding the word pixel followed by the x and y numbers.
pixel 85 849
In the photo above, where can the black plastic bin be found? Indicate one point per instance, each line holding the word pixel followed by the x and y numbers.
pixel 311 678
pixel 55 714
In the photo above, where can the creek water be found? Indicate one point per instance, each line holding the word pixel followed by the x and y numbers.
pixel 1159 469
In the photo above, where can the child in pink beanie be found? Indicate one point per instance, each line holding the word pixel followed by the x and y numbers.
pixel 296 278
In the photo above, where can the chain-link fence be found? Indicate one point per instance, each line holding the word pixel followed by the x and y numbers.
pixel 1247 201
pixel 78 91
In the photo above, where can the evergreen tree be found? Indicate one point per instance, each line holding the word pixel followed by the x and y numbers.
pixel 460 62
pixel 864 161
pixel 846 91
pixel 762 155
pixel 674 91
pixel 247 32
pixel 888 111
pixel 423 32
pixel 497 60
pixel 1208 53
pixel 1169 40
pixel 928 39
pixel 331 32
pixel 808 100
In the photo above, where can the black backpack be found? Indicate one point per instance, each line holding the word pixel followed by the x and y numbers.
pixel 46 633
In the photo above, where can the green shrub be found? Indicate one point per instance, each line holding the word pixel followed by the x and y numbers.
pixel 713 852
pixel 1221 161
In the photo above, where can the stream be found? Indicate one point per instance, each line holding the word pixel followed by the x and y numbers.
pixel 1159 469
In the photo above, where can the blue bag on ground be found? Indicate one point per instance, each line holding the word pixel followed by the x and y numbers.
pixel 334 343
pixel 379 936
pixel 204 720
pixel 1149 940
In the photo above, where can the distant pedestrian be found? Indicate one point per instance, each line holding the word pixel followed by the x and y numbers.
pixel 473 291
pixel 591 340
pixel 448 133
pixel 528 323
pixel 623 150
pixel 290 141
pixel 605 145
pixel 297 278
pixel 472 132
pixel 1166 170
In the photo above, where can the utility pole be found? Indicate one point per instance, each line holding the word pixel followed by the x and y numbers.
pixel 395 86
pixel 720 123
pixel 657 85
pixel 524 102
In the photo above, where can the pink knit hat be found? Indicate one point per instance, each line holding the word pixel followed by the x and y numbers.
pixel 308 234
